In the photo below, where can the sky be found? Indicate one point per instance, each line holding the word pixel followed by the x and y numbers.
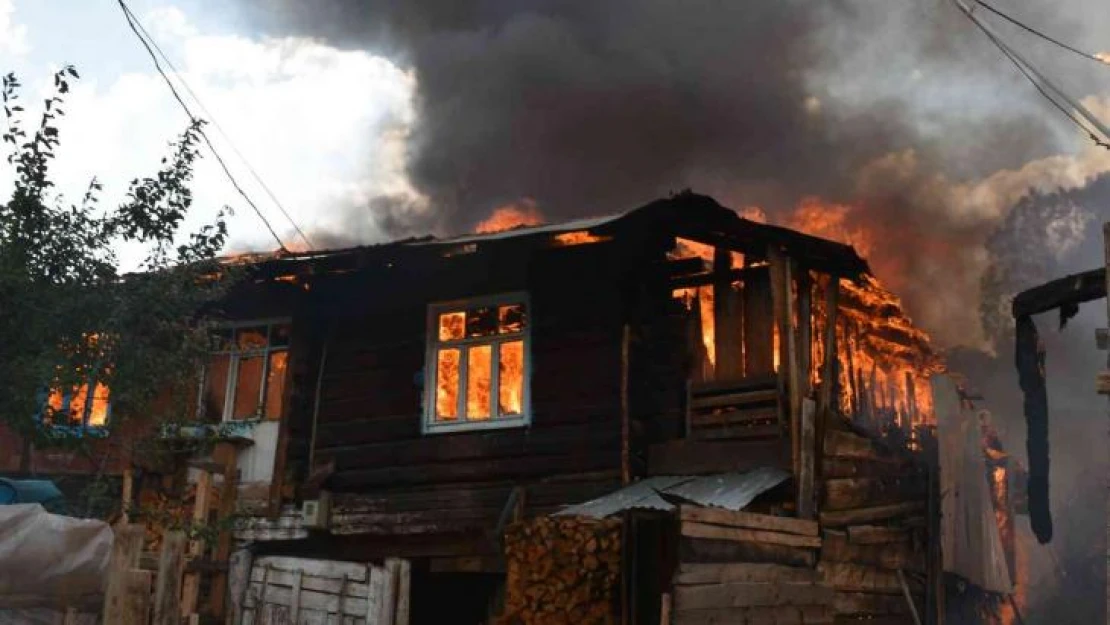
pixel 324 128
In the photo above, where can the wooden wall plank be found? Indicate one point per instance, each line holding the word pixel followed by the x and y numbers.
pixel 767 522
pixel 704 530
pixel 745 594
pixel 693 573
pixel 171 569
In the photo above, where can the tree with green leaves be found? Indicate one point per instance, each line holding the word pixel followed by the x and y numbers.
pixel 84 344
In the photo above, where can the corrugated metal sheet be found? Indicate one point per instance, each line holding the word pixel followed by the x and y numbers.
pixel 731 491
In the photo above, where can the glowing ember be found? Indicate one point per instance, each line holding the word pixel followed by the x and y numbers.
pixel 1103 56
pixel 524 213
pixel 578 237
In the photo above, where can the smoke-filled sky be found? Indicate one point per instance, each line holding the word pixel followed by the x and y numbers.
pixel 897 123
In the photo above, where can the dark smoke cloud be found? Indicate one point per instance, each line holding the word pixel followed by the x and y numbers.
pixel 591 107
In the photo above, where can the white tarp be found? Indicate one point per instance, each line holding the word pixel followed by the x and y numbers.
pixel 970 541
pixel 49 561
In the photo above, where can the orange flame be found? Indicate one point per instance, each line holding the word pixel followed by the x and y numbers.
pixel 578 237
pixel 509 216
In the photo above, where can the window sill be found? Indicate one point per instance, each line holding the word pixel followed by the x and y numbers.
pixel 475 426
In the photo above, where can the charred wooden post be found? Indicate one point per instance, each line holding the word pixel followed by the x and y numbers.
pixel 626 475
pixel 726 318
pixel 759 323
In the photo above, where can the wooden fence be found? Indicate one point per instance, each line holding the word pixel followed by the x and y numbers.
pixel 280 591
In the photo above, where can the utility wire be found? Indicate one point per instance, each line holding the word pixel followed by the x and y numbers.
pixel 220 128
pixel 1030 29
pixel 1025 72
pixel 1040 83
pixel 131 22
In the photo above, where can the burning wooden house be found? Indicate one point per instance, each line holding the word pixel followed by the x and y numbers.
pixel 669 415
pixel 442 398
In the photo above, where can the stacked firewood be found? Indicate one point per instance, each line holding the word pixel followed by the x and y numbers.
pixel 562 570
pixel 873 531
pixel 742 567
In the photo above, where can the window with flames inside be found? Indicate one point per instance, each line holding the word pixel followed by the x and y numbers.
pixel 477 365
pixel 84 409
pixel 245 376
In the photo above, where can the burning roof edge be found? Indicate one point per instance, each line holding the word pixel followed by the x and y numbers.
pixel 685 214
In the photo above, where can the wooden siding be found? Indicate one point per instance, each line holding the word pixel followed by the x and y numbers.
pixel 391 479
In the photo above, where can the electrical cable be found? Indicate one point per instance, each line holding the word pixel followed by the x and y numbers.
pixel 1030 29
pixel 130 22
pixel 216 124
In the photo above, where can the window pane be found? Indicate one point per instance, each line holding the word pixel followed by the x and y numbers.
pixel 250 338
pixel 481 322
pixel 479 366
pixel 510 319
pixel 248 387
pixel 215 387
pixel 510 389
pixel 98 413
pixel 447 384
pixel 451 326
pixel 58 412
pixel 279 335
pixel 275 384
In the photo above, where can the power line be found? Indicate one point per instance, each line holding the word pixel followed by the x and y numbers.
pixel 131 22
pixel 1040 83
pixel 1030 29
pixel 215 123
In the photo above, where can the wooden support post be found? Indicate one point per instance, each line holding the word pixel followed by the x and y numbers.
pixel 804 343
pixel 190 590
pixel 126 551
pixel 626 469
pixel 70 617
pixel 171 568
pixel 806 489
pixel 827 398
pixel 726 319
pixel 126 496
pixel 781 303
pixel 228 492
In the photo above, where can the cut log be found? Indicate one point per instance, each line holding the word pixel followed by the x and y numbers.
pixel 877 534
pixel 739 595
pixel 719 532
pixel 717 516
pixel 689 573
pixel 727 551
pixel 860 516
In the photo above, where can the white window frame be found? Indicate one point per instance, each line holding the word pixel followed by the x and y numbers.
pixel 234 356
pixel 429 423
